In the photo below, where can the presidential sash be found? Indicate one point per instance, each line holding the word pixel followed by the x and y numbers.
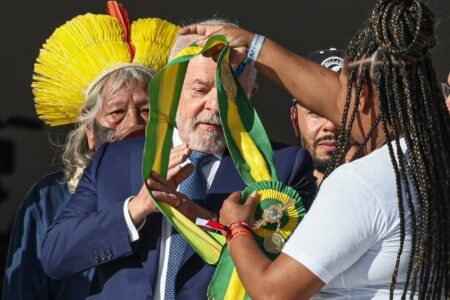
pixel 280 208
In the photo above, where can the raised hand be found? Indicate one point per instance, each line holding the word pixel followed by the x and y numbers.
pixel 142 204
pixel 238 38
pixel 163 190
pixel 178 172
pixel 233 211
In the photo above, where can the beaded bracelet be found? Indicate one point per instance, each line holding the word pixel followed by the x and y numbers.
pixel 238 223
pixel 233 225
pixel 237 233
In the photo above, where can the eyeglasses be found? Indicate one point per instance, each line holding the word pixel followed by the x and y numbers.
pixel 445 89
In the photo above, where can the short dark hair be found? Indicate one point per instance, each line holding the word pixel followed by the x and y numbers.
pixel 330 58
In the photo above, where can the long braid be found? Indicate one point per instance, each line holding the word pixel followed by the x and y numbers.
pixel 386 118
pixel 418 158
pixel 426 91
pixel 394 45
pixel 340 148
pixel 345 146
pixel 400 176
pixel 406 172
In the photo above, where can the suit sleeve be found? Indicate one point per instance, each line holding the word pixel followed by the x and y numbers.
pixel 24 276
pixel 82 236
pixel 302 178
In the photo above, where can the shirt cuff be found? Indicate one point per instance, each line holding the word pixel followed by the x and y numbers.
pixel 133 232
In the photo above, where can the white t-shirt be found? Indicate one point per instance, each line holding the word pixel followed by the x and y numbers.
pixel 351 235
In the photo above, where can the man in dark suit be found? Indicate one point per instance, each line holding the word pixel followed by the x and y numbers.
pixel 128 241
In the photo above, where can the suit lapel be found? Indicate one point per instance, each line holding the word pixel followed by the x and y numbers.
pixel 226 181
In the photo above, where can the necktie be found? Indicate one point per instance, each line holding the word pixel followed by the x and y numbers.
pixel 195 187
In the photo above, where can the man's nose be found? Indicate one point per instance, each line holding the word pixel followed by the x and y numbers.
pixel 329 127
pixel 132 125
pixel 212 104
pixel 133 117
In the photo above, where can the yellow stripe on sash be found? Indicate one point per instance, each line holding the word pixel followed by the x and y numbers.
pixel 191 50
pixel 194 49
pixel 166 93
pixel 160 134
pixel 167 88
pixel 248 149
pixel 235 289
pixel 197 235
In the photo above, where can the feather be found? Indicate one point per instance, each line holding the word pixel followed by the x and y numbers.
pixel 84 50
pixel 117 11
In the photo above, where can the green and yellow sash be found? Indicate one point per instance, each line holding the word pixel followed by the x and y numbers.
pixel 164 90
pixel 280 209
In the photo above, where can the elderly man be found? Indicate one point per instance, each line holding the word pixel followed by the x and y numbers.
pixel 315 133
pixel 106 100
pixel 139 256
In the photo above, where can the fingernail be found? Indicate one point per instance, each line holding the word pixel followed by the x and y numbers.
pixel 254 194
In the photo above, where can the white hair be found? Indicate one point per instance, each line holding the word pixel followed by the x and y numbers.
pixel 76 154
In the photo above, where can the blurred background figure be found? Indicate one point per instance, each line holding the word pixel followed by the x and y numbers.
pixel 446 90
pixel 315 133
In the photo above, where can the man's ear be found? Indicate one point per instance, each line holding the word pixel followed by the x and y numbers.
pixel 294 120
pixel 365 99
pixel 90 137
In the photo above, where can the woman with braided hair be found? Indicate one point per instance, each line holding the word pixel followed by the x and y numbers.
pixel 380 224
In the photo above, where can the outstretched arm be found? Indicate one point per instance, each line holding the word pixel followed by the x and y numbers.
pixel 84 236
pixel 165 190
pixel 262 278
pixel 315 87
pixel 91 229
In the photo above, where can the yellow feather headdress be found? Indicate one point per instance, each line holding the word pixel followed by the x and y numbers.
pixel 87 48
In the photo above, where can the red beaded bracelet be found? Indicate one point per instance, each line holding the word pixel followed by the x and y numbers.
pixel 233 225
pixel 238 223
pixel 237 233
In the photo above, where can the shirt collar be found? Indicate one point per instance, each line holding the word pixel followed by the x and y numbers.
pixel 176 141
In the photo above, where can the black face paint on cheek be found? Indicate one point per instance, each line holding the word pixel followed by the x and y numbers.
pixel 102 134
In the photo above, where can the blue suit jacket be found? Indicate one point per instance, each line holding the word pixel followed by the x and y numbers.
pixel 91 231
pixel 24 276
